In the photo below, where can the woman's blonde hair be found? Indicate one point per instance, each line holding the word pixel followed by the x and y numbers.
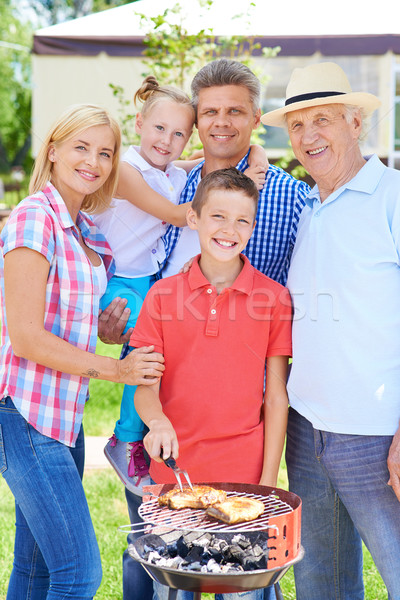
pixel 151 92
pixel 75 119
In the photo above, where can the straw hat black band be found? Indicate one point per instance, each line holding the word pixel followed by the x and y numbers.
pixel 312 86
pixel 311 96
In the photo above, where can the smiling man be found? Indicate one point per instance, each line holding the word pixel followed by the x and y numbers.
pixel 343 441
pixel 226 97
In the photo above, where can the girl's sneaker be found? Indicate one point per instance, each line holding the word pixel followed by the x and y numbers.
pixel 128 460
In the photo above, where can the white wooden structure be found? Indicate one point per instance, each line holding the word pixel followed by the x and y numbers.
pixel 75 61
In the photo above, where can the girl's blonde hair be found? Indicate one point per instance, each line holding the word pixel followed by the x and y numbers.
pixel 75 119
pixel 151 92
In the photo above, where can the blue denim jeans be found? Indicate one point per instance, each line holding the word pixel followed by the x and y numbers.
pixel 56 555
pixel 342 481
pixel 161 593
pixel 137 584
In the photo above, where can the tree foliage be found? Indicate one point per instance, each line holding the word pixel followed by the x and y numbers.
pixel 51 12
pixel 16 33
pixel 15 94
pixel 174 55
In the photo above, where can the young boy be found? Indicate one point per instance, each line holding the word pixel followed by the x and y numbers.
pixel 216 325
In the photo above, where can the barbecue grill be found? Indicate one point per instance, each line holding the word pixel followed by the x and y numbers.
pixel 281 519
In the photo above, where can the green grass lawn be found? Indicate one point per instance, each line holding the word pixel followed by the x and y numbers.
pixel 108 507
pixel 102 408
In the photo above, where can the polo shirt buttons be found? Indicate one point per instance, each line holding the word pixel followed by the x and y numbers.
pixel 209 291
pixel 153 251
pixel 214 315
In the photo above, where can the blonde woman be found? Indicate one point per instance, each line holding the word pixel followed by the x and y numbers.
pixel 54 266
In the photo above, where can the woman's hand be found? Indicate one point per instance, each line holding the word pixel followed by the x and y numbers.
pixel 142 366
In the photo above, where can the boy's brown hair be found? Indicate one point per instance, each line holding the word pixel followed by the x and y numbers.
pixel 224 179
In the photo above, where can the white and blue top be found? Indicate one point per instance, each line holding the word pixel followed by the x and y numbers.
pixel 135 236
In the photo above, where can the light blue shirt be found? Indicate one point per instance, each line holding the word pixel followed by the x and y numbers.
pixel 344 280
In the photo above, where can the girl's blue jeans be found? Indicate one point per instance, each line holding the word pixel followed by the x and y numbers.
pixel 129 427
pixel 56 555
pixel 342 481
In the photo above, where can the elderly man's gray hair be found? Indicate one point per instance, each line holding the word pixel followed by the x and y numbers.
pixel 226 72
pixel 350 110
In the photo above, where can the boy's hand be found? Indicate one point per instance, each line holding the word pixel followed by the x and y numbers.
pixel 270 481
pixel 257 174
pixel 161 440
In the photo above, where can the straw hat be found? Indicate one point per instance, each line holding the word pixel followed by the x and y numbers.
pixel 318 84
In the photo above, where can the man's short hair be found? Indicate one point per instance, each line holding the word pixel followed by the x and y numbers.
pixel 226 72
pixel 229 179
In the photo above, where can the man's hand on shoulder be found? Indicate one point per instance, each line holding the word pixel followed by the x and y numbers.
pixel 112 322
pixel 187 265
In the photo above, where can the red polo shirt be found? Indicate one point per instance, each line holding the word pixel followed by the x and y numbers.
pixel 215 348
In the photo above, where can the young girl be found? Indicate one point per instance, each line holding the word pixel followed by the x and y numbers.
pixel 54 265
pixel 147 200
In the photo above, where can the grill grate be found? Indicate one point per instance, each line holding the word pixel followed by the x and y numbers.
pixel 191 519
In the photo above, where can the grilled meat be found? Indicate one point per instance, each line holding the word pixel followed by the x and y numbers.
pixel 236 509
pixel 202 496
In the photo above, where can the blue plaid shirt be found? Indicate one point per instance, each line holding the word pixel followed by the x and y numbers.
pixel 280 203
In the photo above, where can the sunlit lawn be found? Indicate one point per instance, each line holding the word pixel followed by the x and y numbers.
pixel 108 508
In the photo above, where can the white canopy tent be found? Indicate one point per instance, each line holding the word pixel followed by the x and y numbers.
pixel 75 61
pixel 266 18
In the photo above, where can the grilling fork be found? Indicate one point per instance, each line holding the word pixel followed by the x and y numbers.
pixel 171 463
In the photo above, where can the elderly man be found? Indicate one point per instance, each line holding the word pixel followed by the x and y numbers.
pixel 343 444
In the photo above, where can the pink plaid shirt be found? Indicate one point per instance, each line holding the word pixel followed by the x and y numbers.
pixel 51 401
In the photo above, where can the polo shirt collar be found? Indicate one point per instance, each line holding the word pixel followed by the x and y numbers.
pixel 367 178
pixel 133 154
pixel 365 181
pixel 243 283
